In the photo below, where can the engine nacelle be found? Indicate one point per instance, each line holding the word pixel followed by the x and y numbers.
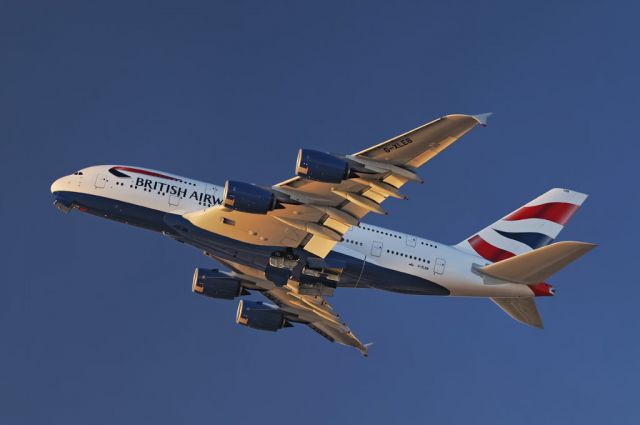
pixel 258 315
pixel 212 283
pixel 248 198
pixel 321 166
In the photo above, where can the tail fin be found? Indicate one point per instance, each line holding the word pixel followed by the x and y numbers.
pixel 532 226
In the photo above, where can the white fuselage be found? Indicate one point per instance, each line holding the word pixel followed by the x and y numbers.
pixel 413 255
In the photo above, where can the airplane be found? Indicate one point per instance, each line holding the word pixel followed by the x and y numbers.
pixel 297 241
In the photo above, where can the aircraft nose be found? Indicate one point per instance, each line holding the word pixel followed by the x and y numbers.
pixel 56 185
pixel 60 198
pixel 61 184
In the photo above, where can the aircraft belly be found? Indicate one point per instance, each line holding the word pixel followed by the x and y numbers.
pixel 395 281
pixel 123 212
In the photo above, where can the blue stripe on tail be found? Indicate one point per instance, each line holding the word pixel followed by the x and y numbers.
pixel 534 240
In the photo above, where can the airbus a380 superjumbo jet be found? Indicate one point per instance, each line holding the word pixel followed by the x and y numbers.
pixel 297 241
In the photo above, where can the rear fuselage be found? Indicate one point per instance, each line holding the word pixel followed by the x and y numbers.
pixel 369 256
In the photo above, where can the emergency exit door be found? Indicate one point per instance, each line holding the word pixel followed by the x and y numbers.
pixel 439 266
pixel 101 181
pixel 376 249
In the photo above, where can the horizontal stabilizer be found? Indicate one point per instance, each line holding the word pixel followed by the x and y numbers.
pixel 521 309
pixel 537 265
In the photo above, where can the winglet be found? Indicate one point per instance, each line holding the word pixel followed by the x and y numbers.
pixel 482 118
pixel 365 349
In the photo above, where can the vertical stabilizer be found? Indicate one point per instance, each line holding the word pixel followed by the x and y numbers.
pixel 534 225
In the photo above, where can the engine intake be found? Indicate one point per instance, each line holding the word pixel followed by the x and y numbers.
pixel 321 166
pixel 258 315
pixel 212 283
pixel 248 198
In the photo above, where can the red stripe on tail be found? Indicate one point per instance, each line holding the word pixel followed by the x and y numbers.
pixel 558 212
pixel 488 251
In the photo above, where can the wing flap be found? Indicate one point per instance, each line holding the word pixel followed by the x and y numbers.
pixel 319 246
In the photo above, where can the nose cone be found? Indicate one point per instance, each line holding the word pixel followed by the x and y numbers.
pixel 60 190
pixel 63 183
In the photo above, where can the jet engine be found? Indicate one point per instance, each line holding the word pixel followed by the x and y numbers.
pixel 322 167
pixel 212 283
pixel 248 198
pixel 258 315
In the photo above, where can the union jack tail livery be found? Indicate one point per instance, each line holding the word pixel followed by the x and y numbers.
pixel 532 226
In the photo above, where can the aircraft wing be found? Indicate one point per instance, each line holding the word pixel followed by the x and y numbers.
pixel 311 310
pixel 314 215
pixel 315 312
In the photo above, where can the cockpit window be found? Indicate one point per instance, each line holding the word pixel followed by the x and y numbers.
pixel 77 173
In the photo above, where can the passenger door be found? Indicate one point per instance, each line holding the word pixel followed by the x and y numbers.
pixel 376 249
pixel 439 266
pixel 411 240
pixel 101 181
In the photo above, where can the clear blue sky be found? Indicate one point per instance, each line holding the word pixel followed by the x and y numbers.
pixel 97 320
